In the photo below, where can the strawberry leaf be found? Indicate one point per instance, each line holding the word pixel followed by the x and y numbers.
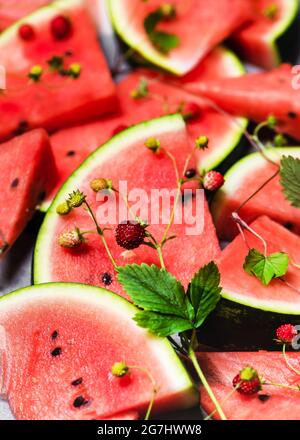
pixel 204 292
pixel 266 268
pixel 290 179
pixel 162 325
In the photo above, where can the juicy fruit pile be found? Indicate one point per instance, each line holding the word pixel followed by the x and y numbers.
pixel 64 370
pixel 74 362
pixel 51 79
pixel 126 159
pixel 271 403
pixel 25 182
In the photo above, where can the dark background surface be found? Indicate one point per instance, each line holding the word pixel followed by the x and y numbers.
pixel 15 269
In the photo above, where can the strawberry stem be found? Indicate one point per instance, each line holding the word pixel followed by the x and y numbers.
pixel 244 225
pixel 154 388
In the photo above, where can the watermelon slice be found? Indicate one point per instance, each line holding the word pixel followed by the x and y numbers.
pixel 72 145
pixel 249 312
pixel 193 18
pixel 125 158
pixel 272 29
pixel 70 340
pixel 258 95
pixel 272 403
pixel 27 174
pixel 241 181
pixel 13 10
pixel 55 99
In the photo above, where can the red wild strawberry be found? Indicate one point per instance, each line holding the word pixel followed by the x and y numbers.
pixel 26 32
pixel 119 128
pixel 191 111
pixel 61 27
pixel 247 381
pixel 130 235
pixel 286 333
pixel 213 180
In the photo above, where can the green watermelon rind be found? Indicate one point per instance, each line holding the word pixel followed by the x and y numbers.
pixel 235 175
pixel 143 130
pixel 282 29
pixel 37 17
pixel 103 298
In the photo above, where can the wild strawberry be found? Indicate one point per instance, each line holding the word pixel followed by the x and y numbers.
pixel 247 381
pixel 190 173
pixel 100 184
pixel 119 129
pixel 130 235
pixel 153 144
pixel 70 239
pixel 213 180
pixel 119 369
pixel 63 208
pixel 286 333
pixel 191 111
pixel 76 199
pixel 26 32
pixel 202 142
pixel 61 27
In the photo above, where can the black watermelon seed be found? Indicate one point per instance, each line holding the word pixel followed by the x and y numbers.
pixel 68 53
pixel 56 352
pixel 292 115
pixel 263 397
pixel 54 335
pixel 71 153
pixel 77 382
pixel 15 183
pixel 106 278
pixel 80 401
pixel 189 174
pixel 289 226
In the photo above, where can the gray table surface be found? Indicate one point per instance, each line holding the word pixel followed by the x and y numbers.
pixel 15 269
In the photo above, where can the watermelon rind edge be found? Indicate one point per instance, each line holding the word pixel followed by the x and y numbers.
pixel 240 169
pixel 97 296
pixel 42 252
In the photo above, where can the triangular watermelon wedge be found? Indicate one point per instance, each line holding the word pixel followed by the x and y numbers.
pixel 258 95
pixel 199 25
pixel 55 99
pixel 27 175
pixel 249 312
pixel 272 403
pixel 269 37
pixel 72 145
pixel 241 181
pixel 58 344
pixel 126 159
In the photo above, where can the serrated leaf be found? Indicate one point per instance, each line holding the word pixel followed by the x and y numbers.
pixel 290 179
pixel 266 268
pixel 154 289
pixel 163 41
pixel 162 325
pixel 204 292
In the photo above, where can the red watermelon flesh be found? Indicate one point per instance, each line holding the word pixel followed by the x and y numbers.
pixel 256 41
pixel 240 182
pixel 55 100
pixel 141 169
pixel 27 174
pixel 247 289
pixel 280 404
pixel 199 25
pixel 53 335
pixel 72 145
pixel 257 96
pixel 13 10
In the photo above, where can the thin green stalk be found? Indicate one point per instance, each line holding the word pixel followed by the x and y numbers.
pixel 288 362
pixel 226 398
pixel 281 385
pixel 193 358
pixel 154 389
pixel 160 256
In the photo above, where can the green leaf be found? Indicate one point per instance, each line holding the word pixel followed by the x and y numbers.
pixel 265 268
pixel 163 41
pixel 162 325
pixel 204 292
pixel 154 289
pixel 290 179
